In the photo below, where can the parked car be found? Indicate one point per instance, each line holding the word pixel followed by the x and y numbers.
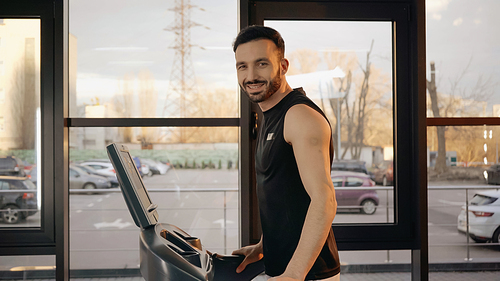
pixel 383 173
pixel 156 167
pixel 92 171
pixel 362 199
pixel 27 167
pixel 11 166
pixel 351 166
pixel 484 217
pixel 104 168
pixel 18 199
pixel 79 179
pixel 33 175
pixel 493 174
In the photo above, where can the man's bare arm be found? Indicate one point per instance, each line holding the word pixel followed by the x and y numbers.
pixel 309 134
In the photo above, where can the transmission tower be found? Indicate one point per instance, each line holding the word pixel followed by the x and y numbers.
pixel 182 78
pixel 183 90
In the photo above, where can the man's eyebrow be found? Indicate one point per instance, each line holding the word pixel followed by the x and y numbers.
pixel 262 59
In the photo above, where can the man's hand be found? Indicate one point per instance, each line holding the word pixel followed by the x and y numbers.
pixel 252 253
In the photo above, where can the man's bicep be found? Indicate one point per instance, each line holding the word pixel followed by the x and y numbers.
pixel 309 134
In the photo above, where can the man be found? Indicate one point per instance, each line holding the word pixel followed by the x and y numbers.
pixel 293 158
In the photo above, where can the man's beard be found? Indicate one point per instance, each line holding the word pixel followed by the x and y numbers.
pixel 272 87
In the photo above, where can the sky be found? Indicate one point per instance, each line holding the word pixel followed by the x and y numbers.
pixel 127 36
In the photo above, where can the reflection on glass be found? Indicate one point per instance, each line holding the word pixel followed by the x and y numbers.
pixel 162 59
pixel 349 76
pixel 464 201
pixel 194 184
pixel 20 199
pixel 462 58
pixel 18 267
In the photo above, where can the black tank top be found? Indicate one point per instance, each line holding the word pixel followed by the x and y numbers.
pixel 283 200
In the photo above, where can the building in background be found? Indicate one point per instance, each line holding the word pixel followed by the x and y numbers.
pixel 19 82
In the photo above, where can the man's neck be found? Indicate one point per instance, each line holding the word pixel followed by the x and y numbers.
pixel 275 98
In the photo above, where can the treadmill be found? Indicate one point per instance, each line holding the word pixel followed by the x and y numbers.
pixel 166 251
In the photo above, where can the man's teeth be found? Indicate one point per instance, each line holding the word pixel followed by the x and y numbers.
pixel 254 86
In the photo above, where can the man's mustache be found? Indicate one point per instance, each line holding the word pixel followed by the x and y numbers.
pixel 255 82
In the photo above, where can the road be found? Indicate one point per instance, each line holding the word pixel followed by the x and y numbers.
pixel 103 233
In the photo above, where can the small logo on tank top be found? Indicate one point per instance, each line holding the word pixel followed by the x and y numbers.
pixel 270 136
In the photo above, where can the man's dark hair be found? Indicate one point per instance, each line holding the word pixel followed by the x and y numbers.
pixel 256 32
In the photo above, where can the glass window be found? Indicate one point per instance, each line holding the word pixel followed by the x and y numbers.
pixel 195 186
pixel 349 76
pixel 22 267
pixel 353 181
pixel 4 185
pixel 480 200
pixel 174 59
pixel 20 121
pixel 463 63
pixel 462 170
pixel 337 182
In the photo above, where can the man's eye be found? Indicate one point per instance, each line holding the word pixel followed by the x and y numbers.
pixel 240 67
pixel 263 64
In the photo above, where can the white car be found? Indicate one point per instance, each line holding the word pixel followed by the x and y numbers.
pixel 484 217
pixel 156 167
pixel 104 168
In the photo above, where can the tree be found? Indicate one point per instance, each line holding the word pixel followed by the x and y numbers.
pixel 357 113
pixel 347 61
pixel 359 107
pixel 441 156
pixel 460 101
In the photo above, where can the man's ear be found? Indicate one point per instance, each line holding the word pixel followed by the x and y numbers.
pixel 284 64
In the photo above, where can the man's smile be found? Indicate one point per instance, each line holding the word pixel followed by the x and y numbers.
pixel 255 86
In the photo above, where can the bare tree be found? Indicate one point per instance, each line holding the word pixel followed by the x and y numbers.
pixel 346 61
pixel 358 114
pixel 354 109
pixel 441 156
pixel 459 101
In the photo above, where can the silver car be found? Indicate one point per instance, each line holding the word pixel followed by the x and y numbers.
pixel 79 179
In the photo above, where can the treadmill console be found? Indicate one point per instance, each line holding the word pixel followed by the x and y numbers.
pixel 166 251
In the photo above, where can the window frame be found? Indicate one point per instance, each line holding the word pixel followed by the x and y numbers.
pixel 38 240
pixel 406 231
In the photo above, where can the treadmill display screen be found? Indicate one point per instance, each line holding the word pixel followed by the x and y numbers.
pixel 140 206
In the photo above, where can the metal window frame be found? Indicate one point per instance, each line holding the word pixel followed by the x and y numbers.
pixel 38 240
pixel 381 236
pixel 408 17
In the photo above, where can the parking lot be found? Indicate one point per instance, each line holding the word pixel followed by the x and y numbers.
pixel 205 204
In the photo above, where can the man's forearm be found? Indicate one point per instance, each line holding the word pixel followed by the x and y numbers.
pixel 316 227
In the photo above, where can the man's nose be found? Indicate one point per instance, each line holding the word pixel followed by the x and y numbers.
pixel 252 74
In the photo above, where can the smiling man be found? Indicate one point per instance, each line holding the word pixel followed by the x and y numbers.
pixel 293 158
